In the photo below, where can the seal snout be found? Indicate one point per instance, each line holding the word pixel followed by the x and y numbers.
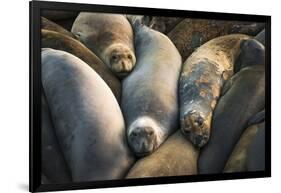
pixel 141 140
pixel 193 128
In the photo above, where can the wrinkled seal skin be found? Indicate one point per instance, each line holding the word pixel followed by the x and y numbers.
pixel 50 39
pixel 90 131
pixel 237 160
pixel 261 37
pixel 190 34
pixel 110 36
pixel 49 25
pixel 252 52
pixel 149 94
pixel 203 74
pixel 256 154
pixel 177 156
pixel 53 163
pixel 244 98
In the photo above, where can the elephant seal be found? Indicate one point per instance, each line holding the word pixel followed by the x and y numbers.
pixel 49 25
pixel 190 34
pixel 256 154
pixel 88 120
pixel 252 52
pixel 241 100
pixel 53 163
pixel 261 37
pixel 50 39
pixel 203 74
pixel 177 156
pixel 149 94
pixel 110 36
pixel 237 160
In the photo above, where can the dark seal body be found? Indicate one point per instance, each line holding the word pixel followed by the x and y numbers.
pixel 256 154
pixel 252 52
pixel 110 36
pixel 237 161
pixel 177 156
pixel 149 94
pixel 190 34
pixel 53 164
pixel 49 25
pixel 202 77
pixel 88 120
pixel 50 39
pixel 244 98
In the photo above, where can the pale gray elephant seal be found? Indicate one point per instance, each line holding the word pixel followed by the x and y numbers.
pixel 244 96
pixel 149 94
pixel 88 121
pixel 177 156
pixel 202 77
pixel 53 164
pixel 110 36
pixel 58 41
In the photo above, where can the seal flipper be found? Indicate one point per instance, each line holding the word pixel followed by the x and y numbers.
pixel 257 118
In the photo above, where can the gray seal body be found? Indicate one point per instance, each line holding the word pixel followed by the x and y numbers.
pixel 88 120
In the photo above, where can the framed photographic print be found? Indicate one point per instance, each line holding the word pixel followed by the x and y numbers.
pixel 126 96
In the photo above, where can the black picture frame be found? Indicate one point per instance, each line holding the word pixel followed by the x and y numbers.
pixel 35 95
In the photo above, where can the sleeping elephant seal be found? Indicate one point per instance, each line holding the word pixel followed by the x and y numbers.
pixel 177 156
pixel 190 34
pixel 149 94
pixel 88 121
pixel 252 52
pixel 50 39
pixel 238 157
pixel 256 154
pixel 261 37
pixel 201 79
pixel 110 36
pixel 49 25
pixel 53 163
pixel 244 98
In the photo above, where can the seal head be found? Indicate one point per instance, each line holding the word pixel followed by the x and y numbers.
pixel 144 136
pixel 120 59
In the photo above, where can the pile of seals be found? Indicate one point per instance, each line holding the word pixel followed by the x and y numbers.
pixel 128 96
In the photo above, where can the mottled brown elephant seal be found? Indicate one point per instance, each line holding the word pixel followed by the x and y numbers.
pixel 88 120
pixel 110 36
pixel 177 156
pixel 244 96
pixel 190 33
pixel 202 77
pixel 50 39
pixel 237 162
pixel 149 94
pixel 53 164
pixel 49 25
